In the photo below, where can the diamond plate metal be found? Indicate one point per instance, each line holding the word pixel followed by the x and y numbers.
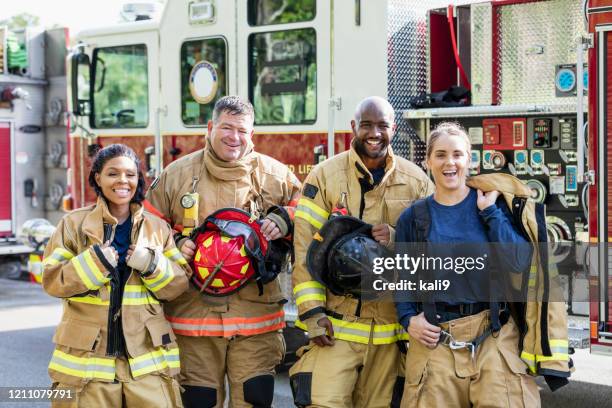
pixel 481 51
pixel 407 67
pixel 532 38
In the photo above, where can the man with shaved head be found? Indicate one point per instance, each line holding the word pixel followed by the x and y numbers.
pixel 352 359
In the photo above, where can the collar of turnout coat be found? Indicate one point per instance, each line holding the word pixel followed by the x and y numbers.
pixel 93 223
pixel 361 170
pixel 504 183
pixel 230 171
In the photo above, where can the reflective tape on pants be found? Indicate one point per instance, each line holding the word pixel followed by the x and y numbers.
pixel 83 367
pixel 227 327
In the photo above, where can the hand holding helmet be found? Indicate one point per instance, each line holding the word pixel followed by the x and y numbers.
pixel 381 233
pixel 187 248
pixel 342 253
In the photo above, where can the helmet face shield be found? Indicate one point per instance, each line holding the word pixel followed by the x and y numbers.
pixel 236 229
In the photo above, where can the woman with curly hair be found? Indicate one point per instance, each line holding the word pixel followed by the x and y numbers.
pixel 113 264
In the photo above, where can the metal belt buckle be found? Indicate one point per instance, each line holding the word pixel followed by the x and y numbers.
pixel 456 345
pixel 445 338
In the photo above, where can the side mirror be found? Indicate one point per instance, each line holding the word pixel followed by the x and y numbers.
pixel 80 83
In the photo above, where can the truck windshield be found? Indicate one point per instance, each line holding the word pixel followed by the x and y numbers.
pixel 121 93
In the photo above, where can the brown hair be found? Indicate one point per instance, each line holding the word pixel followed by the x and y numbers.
pixel 450 129
pixel 234 105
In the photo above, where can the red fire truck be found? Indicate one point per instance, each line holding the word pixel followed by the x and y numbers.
pixel 151 83
pixel 599 15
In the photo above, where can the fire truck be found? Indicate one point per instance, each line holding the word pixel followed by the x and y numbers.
pixel 526 78
pixel 599 17
pixel 33 159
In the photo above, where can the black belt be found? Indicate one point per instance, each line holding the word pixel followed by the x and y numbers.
pixel 464 309
pixel 448 340
pixel 448 312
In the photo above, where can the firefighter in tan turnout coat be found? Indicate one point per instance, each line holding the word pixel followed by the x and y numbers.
pixel 352 360
pixel 237 335
pixel 113 343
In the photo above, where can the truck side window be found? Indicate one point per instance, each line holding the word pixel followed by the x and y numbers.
pixel 121 90
pixel 265 12
pixel 203 78
pixel 283 77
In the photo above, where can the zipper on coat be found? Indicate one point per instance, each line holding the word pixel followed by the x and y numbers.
pixel 114 337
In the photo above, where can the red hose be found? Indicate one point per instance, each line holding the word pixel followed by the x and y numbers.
pixel 451 24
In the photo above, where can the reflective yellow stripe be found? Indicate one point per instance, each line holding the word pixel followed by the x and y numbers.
pixel 313 221
pixel 310 297
pixel 309 291
pixel 312 206
pixel 360 332
pixel 307 285
pixel 559 349
pixel 164 277
pixel 88 271
pixel 175 256
pixel 94 268
pixel 311 212
pixel 83 367
pixel 58 255
pixel 82 274
pixel 135 295
pixel 92 300
pixel 158 360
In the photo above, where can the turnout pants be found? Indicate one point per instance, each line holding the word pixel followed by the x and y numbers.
pixel 152 390
pixel 348 374
pixel 495 377
pixel 248 362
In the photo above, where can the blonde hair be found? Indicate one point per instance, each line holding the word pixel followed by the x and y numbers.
pixel 450 129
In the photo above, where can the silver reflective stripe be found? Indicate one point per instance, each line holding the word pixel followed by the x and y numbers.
pixel 227 327
pixel 154 360
pixel 82 367
pixel 310 291
pixel 166 273
pixel 311 212
pixel 135 295
pixel 90 274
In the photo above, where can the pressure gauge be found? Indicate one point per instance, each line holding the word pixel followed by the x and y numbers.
pixel 565 80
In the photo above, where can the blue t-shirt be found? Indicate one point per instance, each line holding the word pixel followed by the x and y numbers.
pixel 464 223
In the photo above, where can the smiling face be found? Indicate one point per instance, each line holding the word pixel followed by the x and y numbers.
pixel 373 129
pixel 230 135
pixel 118 180
pixel 449 162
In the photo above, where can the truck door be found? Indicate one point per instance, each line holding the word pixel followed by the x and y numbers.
pixel 600 144
pixel 123 101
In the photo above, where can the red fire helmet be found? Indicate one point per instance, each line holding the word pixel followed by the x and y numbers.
pixel 230 249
